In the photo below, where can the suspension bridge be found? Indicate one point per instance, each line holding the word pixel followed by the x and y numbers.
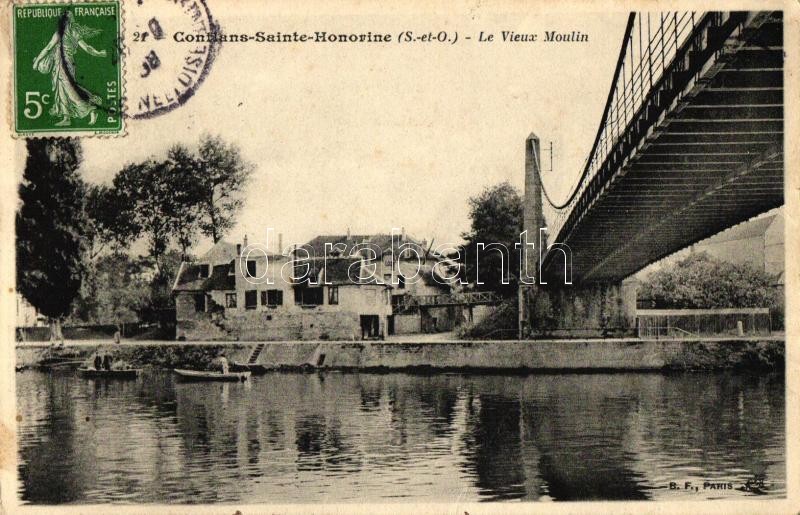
pixel 690 143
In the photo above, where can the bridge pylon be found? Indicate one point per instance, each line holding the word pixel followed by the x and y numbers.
pixel 533 220
pixel 556 309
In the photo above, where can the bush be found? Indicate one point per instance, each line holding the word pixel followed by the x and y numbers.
pixel 700 281
pixel 501 324
pixel 195 357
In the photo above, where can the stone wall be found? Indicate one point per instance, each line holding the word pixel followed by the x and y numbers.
pixel 272 325
pixel 533 355
pixel 407 324
pixel 586 355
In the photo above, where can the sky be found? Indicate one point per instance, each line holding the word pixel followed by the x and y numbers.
pixel 375 137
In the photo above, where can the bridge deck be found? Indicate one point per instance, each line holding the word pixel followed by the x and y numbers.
pixel 704 152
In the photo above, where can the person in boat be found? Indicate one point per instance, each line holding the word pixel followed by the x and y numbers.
pixel 98 362
pixel 221 363
pixel 107 362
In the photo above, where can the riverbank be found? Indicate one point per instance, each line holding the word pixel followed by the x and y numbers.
pixel 626 354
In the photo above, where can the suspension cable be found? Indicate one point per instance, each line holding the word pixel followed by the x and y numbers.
pixel 620 60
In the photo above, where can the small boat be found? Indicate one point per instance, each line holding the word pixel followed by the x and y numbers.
pixel 60 364
pixel 93 373
pixel 201 375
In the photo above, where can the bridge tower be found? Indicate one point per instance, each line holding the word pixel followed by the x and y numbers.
pixel 532 221
pixel 555 309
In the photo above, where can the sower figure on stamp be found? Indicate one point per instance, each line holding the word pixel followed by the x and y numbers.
pixel 57 59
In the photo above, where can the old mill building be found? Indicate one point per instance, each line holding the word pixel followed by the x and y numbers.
pixel 337 297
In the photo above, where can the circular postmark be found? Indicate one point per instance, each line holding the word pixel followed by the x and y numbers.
pixel 163 73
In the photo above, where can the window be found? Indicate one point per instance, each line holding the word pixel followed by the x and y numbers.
pixel 251 268
pixel 204 271
pixel 250 299
pixel 199 302
pixel 272 298
pixel 308 296
pixel 230 300
pixel 401 281
pixel 333 294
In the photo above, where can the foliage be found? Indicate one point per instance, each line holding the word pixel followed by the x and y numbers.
pixel 123 289
pixel 496 216
pixel 116 291
pixel 701 281
pixel 193 357
pixel 220 174
pixel 161 285
pixel 500 324
pixel 173 200
pixel 51 226
pixel 147 193
pixel 109 226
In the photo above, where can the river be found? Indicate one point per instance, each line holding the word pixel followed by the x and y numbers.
pixel 348 437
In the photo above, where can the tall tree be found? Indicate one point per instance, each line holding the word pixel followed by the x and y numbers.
pixel 110 227
pixel 221 174
pixel 51 228
pixel 188 199
pixel 496 218
pixel 146 201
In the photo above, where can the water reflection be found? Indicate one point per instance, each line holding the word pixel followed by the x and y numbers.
pixel 377 437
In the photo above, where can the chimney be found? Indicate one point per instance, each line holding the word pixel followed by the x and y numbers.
pixel 348 234
pixel 402 235
pixel 280 243
pixel 238 250
pixel 244 243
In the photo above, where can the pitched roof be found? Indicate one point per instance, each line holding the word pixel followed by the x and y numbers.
pixel 743 231
pixel 189 278
pixel 222 252
pixel 337 270
pixel 381 243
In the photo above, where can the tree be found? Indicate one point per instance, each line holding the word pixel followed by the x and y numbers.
pixel 159 202
pixel 109 226
pixel 701 281
pixel 145 200
pixel 496 217
pixel 51 228
pixel 220 173
pixel 120 290
pixel 189 198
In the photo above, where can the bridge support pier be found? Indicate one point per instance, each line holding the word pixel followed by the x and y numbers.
pixel 586 311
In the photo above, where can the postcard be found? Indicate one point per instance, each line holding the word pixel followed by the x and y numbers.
pixel 413 257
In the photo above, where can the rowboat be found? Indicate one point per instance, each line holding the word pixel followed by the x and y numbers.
pixel 200 375
pixel 92 373
pixel 60 364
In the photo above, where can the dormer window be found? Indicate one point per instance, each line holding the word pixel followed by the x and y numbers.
pixel 204 271
pixel 251 268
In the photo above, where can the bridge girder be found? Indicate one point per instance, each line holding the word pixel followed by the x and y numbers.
pixel 704 153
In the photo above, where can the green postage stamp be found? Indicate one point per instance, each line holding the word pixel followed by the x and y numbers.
pixel 67 69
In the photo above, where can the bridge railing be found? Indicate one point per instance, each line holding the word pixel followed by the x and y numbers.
pixel 652 41
pixel 406 303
